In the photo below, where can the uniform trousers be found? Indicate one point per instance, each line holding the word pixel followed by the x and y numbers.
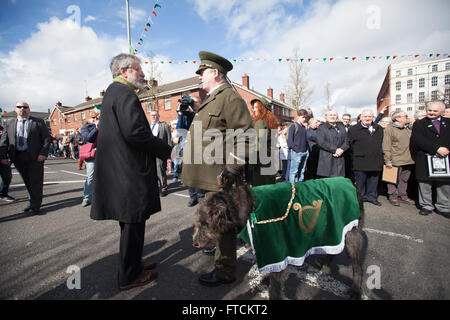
pixel 130 251
pixel 32 173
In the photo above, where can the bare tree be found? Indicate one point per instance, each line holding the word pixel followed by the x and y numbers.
pixel 297 89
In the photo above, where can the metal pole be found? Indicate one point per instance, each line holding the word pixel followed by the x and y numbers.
pixel 128 26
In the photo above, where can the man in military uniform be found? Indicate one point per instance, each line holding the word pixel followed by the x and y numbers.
pixel 222 109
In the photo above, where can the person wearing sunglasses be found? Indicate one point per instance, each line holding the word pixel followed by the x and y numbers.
pixel 25 142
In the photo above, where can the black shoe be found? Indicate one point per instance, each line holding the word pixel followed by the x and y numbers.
pixel 27 209
pixel 163 193
pixel 445 214
pixel 7 198
pixel 375 202
pixel 424 212
pixel 192 202
pixel 36 212
pixel 210 252
pixel 212 280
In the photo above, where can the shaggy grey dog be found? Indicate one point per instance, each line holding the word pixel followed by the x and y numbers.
pixel 220 211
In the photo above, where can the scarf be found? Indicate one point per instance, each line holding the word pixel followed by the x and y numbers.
pixel 125 82
pixel 293 221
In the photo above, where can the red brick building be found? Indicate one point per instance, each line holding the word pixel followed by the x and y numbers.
pixel 163 98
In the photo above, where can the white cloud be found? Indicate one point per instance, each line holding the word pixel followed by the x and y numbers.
pixel 89 18
pixel 266 29
pixel 53 63
pixel 136 16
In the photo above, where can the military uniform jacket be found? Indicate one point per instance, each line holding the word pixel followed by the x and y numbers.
pixel 223 109
pixel 426 140
pixel 125 182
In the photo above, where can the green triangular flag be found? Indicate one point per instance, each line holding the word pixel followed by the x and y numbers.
pixel 387 57
pixel 301 59
pixel 324 59
pixel 97 106
pixel 148 24
pixel 156 5
pixel 367 58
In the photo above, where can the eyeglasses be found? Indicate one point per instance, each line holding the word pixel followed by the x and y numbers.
pixel 20 107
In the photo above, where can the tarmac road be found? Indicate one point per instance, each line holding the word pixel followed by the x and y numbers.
pixel 406 256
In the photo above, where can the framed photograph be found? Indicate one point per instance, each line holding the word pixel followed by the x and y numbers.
pixel 438 166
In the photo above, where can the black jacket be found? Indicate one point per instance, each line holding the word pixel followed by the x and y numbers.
pixel 125 187
pixel 367 148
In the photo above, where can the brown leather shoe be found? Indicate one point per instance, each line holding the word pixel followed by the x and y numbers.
pixel 143 279
pixel 148 265
pixel 395 202
pixel 408 201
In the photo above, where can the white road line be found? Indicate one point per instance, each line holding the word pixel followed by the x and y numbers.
pixel 76 173
pixel 44 172
pixel 392 234
pixel 52 182
pixel 180 195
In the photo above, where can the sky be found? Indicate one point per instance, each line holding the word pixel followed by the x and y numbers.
pixel 60 50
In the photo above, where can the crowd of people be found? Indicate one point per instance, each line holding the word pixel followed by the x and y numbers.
pixel 123 146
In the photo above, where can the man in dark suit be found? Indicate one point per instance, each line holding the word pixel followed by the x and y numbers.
pixel 26 141
pixel 125 183
pixel 431 136
pixel 162 131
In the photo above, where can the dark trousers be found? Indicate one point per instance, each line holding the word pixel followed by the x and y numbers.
pixel 367 184
pixel 130 252
pixel 196 194
pixel 161 166
pixel 32 173
pixel 5 173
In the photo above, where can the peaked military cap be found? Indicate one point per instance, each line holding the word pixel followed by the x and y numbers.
pixel 263 101
pixel 214 61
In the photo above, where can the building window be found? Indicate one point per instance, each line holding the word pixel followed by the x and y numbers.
pixel 398 86
pixel 409 84
pixel 434 68
pixel 447 94
pixel 83 115
pixel 447 79
pixel 434 81
pixel 409 97
pixel 447 66
pixel 398 73
pixel 409 109
pixel 186 94
pixel 68 117
pixel 422 83
pixel 54 122
pixel 410 72
pixel 166 102
pixel 398 109
pixel 398 98
pixel 74 117
pixel 434 95
pixel 421 96
pixel 421 107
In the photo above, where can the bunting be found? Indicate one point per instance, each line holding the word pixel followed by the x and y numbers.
pixel 147 27
pixel 308 60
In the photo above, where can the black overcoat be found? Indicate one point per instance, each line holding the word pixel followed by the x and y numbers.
pixel 367 149
pixel 426 140
pixel 125 183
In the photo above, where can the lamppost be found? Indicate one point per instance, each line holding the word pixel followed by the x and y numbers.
pixel 128 26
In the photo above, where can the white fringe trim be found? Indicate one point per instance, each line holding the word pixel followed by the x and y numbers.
pixel 280 266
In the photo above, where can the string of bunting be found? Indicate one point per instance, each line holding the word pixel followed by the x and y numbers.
pixel 326 59
pixel 147 27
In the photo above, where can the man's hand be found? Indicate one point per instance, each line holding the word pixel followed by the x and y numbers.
pixel 389 165
pixel 338 153
pixel 442 151
pixel 41 158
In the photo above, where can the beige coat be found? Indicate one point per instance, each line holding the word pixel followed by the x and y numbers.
pixel 223 110
pixel 396 146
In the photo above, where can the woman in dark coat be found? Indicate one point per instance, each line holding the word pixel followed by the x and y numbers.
pixel 332 140
pixel 125 182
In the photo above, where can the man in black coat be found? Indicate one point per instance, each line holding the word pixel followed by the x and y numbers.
pixel 431 136
pixel 125 182
pixel 366 140
pixel 26 141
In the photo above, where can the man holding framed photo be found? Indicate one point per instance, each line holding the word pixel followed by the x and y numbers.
pixel 431 137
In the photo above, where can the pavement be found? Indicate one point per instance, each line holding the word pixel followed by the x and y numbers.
pixel 65 255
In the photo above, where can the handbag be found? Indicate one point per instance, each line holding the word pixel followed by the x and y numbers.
pixel 87 151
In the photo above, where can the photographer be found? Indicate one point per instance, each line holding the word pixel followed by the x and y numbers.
pixel 186 115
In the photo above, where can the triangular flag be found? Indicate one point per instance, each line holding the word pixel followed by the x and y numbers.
pixel 387 57
pixel 367 58
pixel 287 59
pixel 438 54
pixel 353 59
pixel 194 61
pixel 97 107
pixel 301 59
pixel 145 29
pixel 331 59
pixel 346 58
pixel 394 57
pixel 154 13
pixel 416 55
pixel 324 59
pixel 279 60
pixel 156 6
pixel 309 59
pixel 148 24
pixel 141 40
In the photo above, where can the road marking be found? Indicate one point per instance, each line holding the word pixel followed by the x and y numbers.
pixel 76 173
pixel 392 234
pixel 44 172
pixel 180 195
pixel 52 182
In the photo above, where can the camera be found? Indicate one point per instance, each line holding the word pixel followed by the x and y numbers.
pixel 184 105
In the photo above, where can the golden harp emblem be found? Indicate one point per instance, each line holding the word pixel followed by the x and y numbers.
pixel 308 210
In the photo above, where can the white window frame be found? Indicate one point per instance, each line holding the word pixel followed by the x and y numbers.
pixel 409 84
pixel 167 105
pixel 422 83
pixel 398 86
pixel 434 81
